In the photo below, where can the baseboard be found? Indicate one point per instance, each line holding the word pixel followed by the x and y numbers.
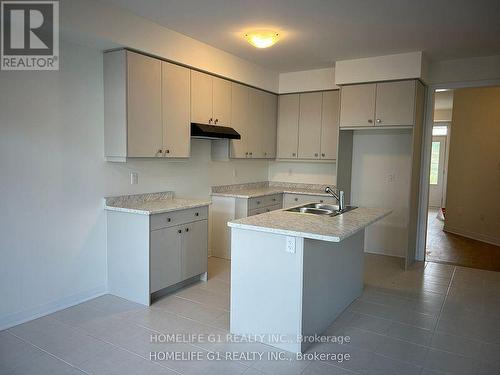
pixel 472 235
pixel 382 252
pixel 24 316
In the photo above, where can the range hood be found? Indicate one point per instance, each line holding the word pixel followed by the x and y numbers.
pixel 213 132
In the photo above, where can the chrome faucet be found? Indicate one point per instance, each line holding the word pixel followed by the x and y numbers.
pixel 338 196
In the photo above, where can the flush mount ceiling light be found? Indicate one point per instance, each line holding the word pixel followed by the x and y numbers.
pixel 262 38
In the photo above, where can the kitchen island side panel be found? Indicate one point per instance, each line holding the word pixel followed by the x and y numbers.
pixel 332 279
pixel 266 287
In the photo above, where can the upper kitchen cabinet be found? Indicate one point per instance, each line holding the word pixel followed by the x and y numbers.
pixel 288 126
pixel 269 124
pixel 310 125
pixel 146 107
pixel 357 105
pixel 240 119
pixel 329 125
pixel 210 99
pixel 176 110
pixel 378 104
pixel 395 104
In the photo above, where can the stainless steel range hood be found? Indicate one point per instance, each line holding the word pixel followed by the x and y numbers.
pixel 213 132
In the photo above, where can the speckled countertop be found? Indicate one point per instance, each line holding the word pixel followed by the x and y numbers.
pixel 150 204
pixel 318 227
pixel 260 189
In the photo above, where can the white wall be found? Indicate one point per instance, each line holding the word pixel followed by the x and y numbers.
pixel 307 80
pixel 376 156
pixel 303 172
pixel 52 226
pixel 99 21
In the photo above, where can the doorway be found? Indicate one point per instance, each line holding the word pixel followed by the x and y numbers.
pixel 458 210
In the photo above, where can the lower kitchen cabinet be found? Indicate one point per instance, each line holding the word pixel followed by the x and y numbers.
pixel 147 254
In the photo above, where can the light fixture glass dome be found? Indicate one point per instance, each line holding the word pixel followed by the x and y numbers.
pixel 262 38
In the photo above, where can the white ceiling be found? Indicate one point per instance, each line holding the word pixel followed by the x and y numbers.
pixel 315 33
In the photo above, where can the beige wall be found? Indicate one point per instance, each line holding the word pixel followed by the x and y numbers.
pixel 473 192
pixel 442 115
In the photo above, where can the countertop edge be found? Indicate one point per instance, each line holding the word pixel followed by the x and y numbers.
pixel 155 212
pixel 263 194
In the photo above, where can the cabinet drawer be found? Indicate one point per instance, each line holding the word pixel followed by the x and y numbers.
pixel 265 201
pixel 261 210
pixel 169 219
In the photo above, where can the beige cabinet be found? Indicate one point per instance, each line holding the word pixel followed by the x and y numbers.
pixel 210 99
pixel 378 104
pixel 288 126
pixel 269 124
pixel 357 105
pixel 310 108
pixel 240 119
pixel 176 110
pixel 329 125
pixel 146 106
pixel 395 104
pixel 144 118
pixel 308 126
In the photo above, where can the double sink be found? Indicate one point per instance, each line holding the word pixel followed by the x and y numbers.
pixel 320 209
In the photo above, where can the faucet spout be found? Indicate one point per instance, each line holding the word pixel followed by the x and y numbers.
pixel 338 196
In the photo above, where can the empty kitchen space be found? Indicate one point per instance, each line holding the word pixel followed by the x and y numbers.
pixel 248 187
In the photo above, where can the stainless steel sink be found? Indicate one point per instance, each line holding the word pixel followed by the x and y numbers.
pixel 320 209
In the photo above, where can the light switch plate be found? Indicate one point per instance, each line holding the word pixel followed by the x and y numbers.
pixel 290 245
pixel 134 178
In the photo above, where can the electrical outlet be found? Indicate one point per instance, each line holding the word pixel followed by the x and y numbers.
pixel 290 245
pixel 134 178
pixel 391 177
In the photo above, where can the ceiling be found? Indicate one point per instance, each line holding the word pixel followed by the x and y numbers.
pixel 315 33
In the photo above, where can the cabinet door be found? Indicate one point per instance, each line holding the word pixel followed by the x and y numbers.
pixel 201 98
pixel 240 119
pixel 221 102
pixel 144 125
pixel 395 103
pixel 194 249
pixel 269 124
pixel 288 126
pixel 165 258
pixel 310 125
pixel 176 110
pixel 255 146
pixel 329 125
pixel 357 105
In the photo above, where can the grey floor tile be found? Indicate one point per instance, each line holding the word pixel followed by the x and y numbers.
pixel 409 333
pixel 190 309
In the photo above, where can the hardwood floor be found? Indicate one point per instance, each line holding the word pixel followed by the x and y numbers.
pixel 450 248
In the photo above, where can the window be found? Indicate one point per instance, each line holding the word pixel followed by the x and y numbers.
pixel 434 179
pixel 439 130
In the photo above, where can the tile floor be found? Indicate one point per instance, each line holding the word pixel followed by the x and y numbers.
pixel 437 319
pixel 457 250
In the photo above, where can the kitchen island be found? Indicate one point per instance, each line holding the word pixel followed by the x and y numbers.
pixel 292 273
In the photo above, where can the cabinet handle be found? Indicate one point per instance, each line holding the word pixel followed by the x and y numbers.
pixel 265 153
pixel 258 202
pixel 296 199
pixel 167 151
pixel 187 229
pixel 216 120
pixel 316 154
pixel 274 199
pixel 251 154
pixel 370 121
pixel 379 121
pixel 323 155
pixel 321 201
pixel 179 231
pixel 169 220
pixel 159 151
pixel 210 121
pixel 293 154
pixel 197 214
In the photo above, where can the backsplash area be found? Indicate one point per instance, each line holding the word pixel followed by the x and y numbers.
pixel 303 172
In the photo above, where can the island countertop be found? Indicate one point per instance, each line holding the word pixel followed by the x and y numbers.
pixel 317 227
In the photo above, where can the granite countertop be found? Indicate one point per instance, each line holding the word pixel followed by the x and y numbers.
pixel 260 189
pixel 318 227
pixel 151 204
